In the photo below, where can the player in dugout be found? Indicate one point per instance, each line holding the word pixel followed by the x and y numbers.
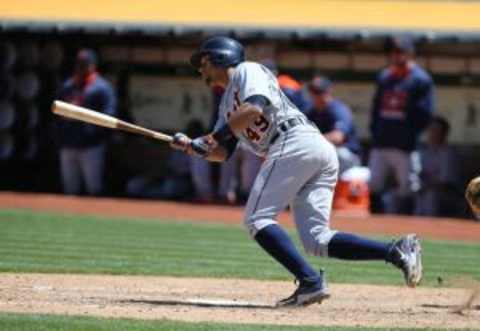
pixel 83 145
pixel 335 120
pixel 402 107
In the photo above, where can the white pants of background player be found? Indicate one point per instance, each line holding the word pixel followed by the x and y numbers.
pixel 300 170
pixel 405 166
pixel 83 165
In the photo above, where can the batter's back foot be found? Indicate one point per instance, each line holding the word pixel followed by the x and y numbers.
pixel 406 254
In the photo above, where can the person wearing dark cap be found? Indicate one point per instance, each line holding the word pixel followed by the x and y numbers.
pixel 441 192
pixel 335 120
pixel 402 107
pixel 82 145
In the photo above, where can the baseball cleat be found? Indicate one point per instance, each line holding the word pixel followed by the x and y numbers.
pixel 306 295
pixel 407 256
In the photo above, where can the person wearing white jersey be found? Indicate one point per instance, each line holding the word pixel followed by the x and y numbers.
pixel 300 170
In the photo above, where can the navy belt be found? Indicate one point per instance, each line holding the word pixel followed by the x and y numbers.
pixel 287 125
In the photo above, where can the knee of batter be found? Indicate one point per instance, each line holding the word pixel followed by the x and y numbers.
pixel 255 223
pixel 316 240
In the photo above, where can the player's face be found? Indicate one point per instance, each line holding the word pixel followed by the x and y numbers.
pixel 208 71
pixel 399 58
pixel 212 75
pixel 82 69
pixel 435 134
pixel 83 65
pixel 205 70
pixel 320 99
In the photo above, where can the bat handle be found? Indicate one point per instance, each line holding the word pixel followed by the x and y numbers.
pixel 162 136
pixel 125 126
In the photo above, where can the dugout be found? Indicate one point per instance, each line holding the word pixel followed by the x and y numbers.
pixel 144 51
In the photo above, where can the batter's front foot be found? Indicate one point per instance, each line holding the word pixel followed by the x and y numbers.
pixel 306 295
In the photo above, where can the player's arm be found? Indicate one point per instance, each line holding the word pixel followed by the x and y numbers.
pixel 224 137
pixel 336 137
pixel 425 104
pixel 247 113
pixel 375 107
pixel 221 143
pixel 224 141
pixel 342 126
pixel 109 100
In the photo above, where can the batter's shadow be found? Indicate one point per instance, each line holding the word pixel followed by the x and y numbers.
pixel 199 303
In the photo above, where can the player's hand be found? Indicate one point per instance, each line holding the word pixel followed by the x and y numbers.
pixel 181 142
pixel 203 146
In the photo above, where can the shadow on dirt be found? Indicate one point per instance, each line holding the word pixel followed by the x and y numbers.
pixel 449 307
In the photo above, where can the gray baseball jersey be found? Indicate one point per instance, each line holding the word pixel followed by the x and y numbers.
pixel 254 79
pixel 300 167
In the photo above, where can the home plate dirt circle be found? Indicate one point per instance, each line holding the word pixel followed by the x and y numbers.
pixel 233 301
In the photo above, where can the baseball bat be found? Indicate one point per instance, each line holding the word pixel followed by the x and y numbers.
pixel 93 117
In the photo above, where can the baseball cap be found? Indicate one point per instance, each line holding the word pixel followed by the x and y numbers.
pixel 87 56
pixel 400 43
pixel 319 84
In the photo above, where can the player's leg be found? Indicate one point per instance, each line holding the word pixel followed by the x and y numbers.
pixel 270 195
pixel 228 180
pixel 347 159
pixel 92 162
pixel 70 169
pixel 405 171
pixel 312 208
pixel 200 170
pixel 379 169
pixel 425 203
pixel 312 205
pixel 404 253
pixel 318 239
pixel 278 181
pixel 250 166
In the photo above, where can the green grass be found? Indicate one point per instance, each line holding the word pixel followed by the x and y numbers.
pixel 20 322
pixel 39 242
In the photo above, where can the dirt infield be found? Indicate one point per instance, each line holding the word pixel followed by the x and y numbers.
pixel 172 298
pixel 450 229
pixel 233 300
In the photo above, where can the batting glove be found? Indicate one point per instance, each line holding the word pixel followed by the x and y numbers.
pixel 203 146
pixel 181 142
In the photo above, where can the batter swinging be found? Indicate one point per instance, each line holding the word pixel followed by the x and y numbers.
pixel 300 170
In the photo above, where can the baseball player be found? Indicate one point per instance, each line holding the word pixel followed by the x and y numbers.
pixel 83 147
pixel 402 107
pixel 335 120
pixel 300 170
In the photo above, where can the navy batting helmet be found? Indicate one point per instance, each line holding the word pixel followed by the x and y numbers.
pixel 222 51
